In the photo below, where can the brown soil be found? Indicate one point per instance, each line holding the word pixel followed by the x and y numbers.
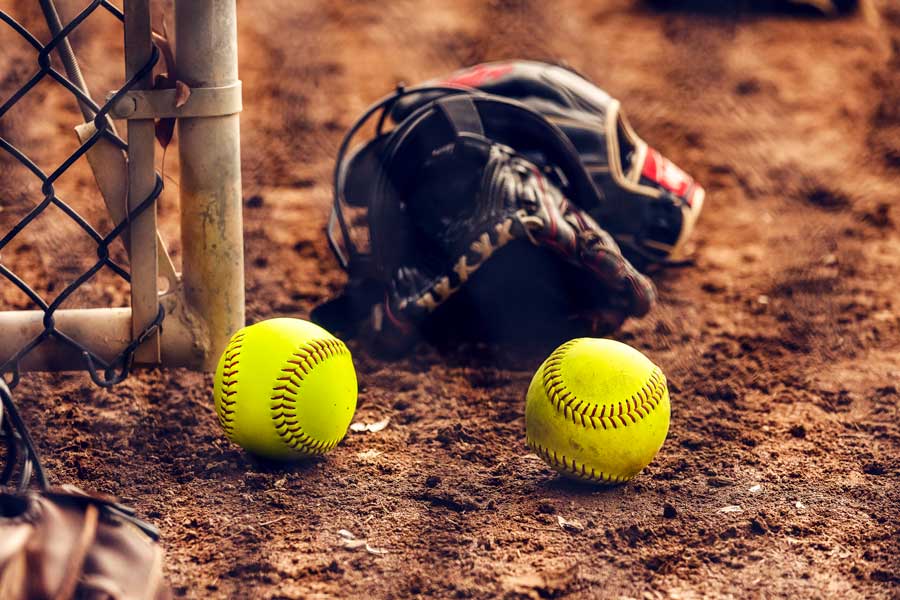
pixel 780 342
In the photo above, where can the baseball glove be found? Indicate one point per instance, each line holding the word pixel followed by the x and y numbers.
pixel 506 188
pixel 829 7
pixel 64 543
pixel 645 201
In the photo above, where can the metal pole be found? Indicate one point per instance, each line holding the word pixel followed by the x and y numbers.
pixel 141 181
pixel 64 48
pixel 210 187
pixel 70 63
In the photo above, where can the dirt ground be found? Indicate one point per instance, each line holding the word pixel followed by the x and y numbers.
pixel 780 341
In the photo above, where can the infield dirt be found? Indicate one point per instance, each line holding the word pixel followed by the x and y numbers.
pixel 781 473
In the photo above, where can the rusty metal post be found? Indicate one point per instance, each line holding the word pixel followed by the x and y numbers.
pixel 210 182
pixel 141 181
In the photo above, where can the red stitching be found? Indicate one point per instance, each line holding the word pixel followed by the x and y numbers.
pixel 287 426
pixel 225 407
pixel 641 402
pixel 561 462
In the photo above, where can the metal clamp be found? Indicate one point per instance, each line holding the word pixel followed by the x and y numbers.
pixel 160 104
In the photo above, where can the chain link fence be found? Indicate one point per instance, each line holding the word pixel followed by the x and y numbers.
pixel 200 307
pixel 104 372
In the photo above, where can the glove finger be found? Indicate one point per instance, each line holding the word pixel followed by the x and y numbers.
pixel 565 225
pixel 602 256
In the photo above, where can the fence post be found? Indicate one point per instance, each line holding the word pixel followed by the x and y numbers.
pixel 141 181
pixel 210 182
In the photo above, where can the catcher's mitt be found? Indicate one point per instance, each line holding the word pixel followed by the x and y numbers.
pixel 469 182
pixel 64 543
pixel 645 201
pixel 829 8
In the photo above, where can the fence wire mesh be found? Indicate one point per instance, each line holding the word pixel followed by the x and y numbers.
pixel 104 372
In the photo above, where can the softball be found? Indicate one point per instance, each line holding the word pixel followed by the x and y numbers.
pixel 597 410
pixel 285 389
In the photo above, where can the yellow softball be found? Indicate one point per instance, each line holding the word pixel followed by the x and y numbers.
pixel 597 410
pixel 285 389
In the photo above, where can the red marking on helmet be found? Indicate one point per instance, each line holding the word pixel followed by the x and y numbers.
pixel 479 75
pixel 663 171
